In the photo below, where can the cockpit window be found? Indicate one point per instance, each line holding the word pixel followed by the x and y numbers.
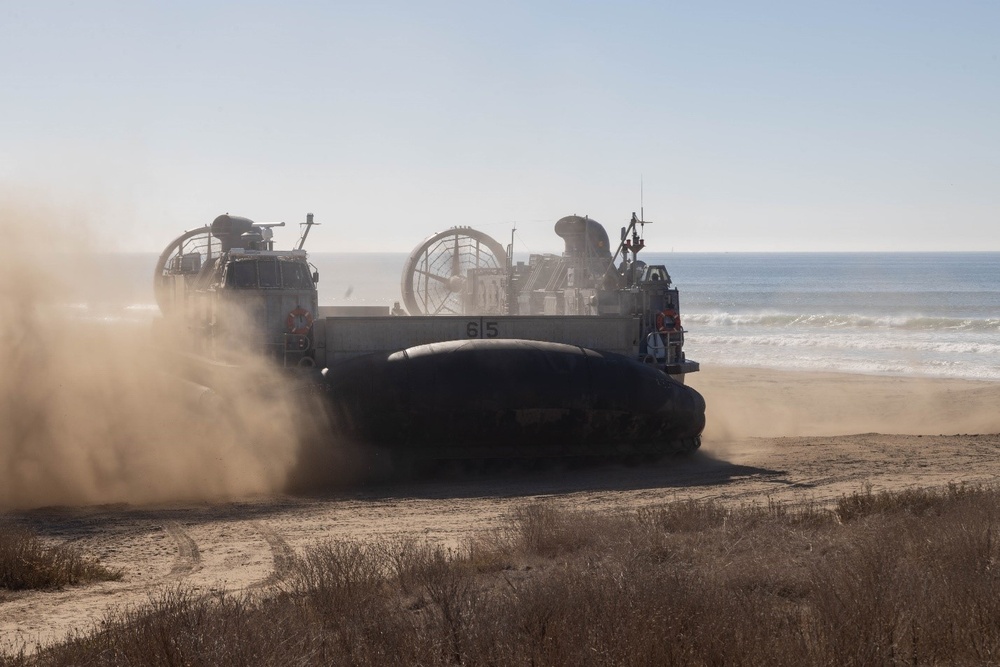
pixel 295 275
pixel 242 275
pixel 656 272
pixel 267 271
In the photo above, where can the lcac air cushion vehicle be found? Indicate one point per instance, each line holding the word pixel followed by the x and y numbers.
pixel 573 355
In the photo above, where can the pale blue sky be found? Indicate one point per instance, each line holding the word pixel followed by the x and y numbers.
pixel 754 126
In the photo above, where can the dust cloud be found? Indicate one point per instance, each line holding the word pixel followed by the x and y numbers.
pixel 92 412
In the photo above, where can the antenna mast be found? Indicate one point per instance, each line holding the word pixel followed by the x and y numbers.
pixel 510 271
pixel 308 223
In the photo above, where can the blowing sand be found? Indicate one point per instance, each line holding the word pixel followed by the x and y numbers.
pixel 792 437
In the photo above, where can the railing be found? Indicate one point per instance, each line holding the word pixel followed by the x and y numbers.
pixel 664 347
pixel 294 349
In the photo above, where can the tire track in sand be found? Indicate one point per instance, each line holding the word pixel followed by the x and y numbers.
pixel 282 555
pixel 188 559
pixel 26 620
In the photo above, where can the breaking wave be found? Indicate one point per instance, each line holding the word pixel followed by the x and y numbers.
pixel 842 321
pixel 864 343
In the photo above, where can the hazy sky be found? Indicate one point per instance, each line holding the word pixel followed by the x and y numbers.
pixel 753 125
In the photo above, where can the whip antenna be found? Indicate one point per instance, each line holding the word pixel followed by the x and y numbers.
pixel 642 210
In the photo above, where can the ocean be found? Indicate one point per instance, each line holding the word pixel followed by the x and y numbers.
pixel 903 314
pixel 917 314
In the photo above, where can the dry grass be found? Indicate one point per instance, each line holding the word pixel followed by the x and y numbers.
pixel 883 579
pixel 26 563
pixel 917 502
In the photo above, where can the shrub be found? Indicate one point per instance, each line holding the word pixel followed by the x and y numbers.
pixel 900 578
pixel 26 563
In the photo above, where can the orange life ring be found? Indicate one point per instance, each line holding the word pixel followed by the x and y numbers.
pixel 663 316
pixel 299 321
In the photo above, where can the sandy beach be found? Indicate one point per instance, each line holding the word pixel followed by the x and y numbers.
pixel 785 436
pixel 750 402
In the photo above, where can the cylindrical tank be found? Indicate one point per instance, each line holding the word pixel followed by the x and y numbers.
pixel 511 398
pixel 229 228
